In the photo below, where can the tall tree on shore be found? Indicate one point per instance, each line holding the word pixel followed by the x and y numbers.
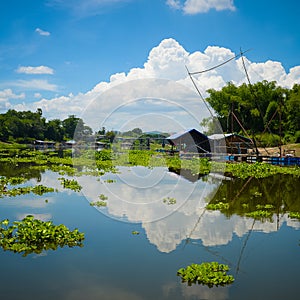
pixel 256 107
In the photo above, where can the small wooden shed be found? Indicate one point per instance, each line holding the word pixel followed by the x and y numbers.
pixel 231 143
pixel 190 140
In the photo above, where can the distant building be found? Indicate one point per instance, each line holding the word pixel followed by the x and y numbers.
pixel 39 144
pixel 126 145
pixel 190 140
pixel 231 143
pixel 101 145
pixel 70 143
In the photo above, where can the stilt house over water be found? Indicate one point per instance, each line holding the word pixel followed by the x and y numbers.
pixel 230 143
pixel 190 140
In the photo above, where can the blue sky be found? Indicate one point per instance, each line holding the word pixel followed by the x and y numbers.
pixel 55 53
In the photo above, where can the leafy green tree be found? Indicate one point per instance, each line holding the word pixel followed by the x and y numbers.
pixel 54 130
pixel 102 131
pixel 69 126
pixel 252 107
pixel 76 125
pixel 292 105
pixel 110 135
pixel 137 131
pixel 23 126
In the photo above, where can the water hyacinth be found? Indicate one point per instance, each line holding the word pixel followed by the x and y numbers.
pixel 34 236
pixel 210 274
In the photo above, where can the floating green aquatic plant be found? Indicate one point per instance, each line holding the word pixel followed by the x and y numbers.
pixel 41 189
pixel 38 190
pixel 103 197
pixel 266 206
pixel 34 236
pixel 110 180
pixel 71 184
pixel 169 200
pixel 294 215
pixel 102 201
pixel 217 206
pixel 260 214
pixel 98 203
pixel 207 273
pixel 259 170
pixel 12 180
pixel 257 194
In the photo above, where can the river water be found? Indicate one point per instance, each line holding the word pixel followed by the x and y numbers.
pixel 167 212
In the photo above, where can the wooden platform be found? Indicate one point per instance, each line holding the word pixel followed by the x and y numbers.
pixel 274 160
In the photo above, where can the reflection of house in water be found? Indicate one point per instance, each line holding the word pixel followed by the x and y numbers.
pixel 186 174
pixel 39 144
pixel 190 140
pixel 232 143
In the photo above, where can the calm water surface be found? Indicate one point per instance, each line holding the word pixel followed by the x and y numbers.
pixel 263 255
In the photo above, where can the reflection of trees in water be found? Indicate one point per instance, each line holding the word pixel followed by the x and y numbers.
pixel 243 196
pixel 186 174
pixel 279 192
pixel 24 170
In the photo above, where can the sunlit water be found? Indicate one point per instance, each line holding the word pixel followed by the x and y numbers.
pixel 264 257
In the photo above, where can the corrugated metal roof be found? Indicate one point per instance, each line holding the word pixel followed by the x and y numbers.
pixel 219 136
pixel 179 134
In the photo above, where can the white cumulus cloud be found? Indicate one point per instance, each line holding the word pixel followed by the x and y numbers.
pixel 42 32
pixel 9 94
pixel 174 4
pixel 35 84
pixel 192 7
pixel 35 70
pixel 6 95
pixel 169 60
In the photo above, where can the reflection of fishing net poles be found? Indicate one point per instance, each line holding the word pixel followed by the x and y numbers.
pixel 214 253
pixel 270 200
pixel 194 228
pixel 189 240
pixel 205 209
pixel 244 247
pixel 242 189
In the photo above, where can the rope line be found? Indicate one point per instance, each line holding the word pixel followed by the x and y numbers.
pixel 221 64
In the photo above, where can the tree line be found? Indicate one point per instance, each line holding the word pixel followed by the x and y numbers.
pixel 264 110
pixel 27 126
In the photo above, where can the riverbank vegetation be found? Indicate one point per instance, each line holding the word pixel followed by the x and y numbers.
pixel 98 163
pixel 266 111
